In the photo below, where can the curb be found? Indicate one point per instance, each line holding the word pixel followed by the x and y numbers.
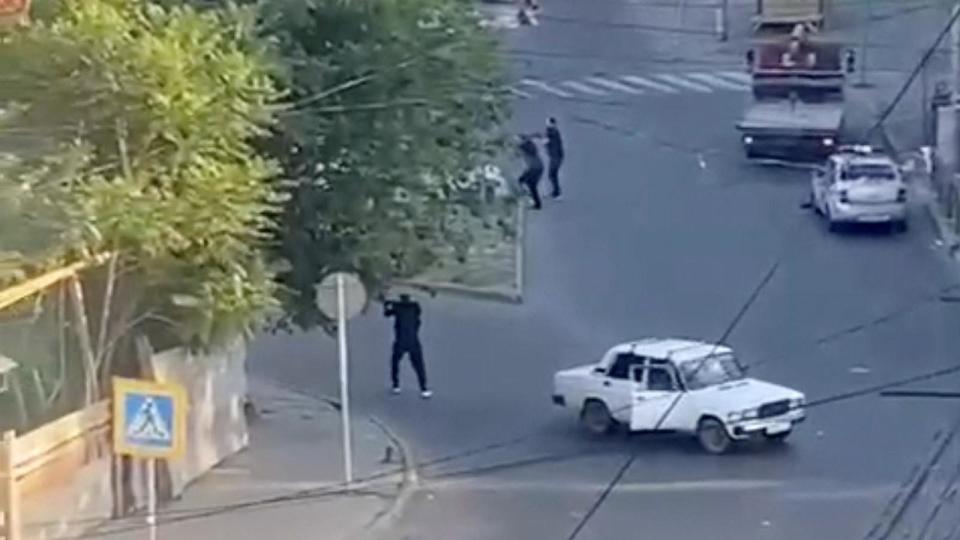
pixel 410 478
pixel 931 203
pixel 511 296
pixel 901 501
pixel 947 236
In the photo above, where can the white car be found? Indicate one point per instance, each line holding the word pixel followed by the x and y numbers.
pixel 678 385
pixel 859 186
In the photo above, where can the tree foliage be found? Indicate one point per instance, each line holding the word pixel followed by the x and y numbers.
pixel 141 120
pixel 387 105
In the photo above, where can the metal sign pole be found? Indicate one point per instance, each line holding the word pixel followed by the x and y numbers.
pixel 344 378
pixel 152 497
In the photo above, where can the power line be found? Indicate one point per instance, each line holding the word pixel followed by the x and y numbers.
pixel 715 4
pixel 341 488
pixel 916 71
pixel 603 496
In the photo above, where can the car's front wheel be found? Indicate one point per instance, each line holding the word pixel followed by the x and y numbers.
pixel 713 436
pixel 595 417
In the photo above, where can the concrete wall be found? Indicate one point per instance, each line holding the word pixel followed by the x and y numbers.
pixel 216 386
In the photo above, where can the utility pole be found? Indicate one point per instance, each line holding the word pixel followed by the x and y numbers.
pixel 723 21
pixel 864 35
pixel 955 51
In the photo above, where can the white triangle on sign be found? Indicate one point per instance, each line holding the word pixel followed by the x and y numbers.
pixel 148 424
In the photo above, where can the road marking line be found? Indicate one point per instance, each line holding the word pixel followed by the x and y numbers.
pixel 680 81
pixel 546 88
pixel 614 85
pixel 520 93
pixel 713 80
pixel 647 83
pixel 580 87
pixel 480 484
pixel 738 76
pixel 787 489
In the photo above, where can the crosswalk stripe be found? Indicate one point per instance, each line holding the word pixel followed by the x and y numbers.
pixel 580 87
pixel 738 76
pixel 520 93
pixel 546 88
pixel 679 81
pixel 713 80
pixel 614 85
pixel 647 83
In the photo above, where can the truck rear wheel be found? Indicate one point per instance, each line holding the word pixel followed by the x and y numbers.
pixel 595 417
pixel 713 436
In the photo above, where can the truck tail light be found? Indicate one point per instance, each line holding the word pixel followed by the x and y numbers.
pixel 902 195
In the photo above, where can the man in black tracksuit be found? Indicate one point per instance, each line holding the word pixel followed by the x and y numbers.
pixel 530 179
pixel 406 340
pixel 555 155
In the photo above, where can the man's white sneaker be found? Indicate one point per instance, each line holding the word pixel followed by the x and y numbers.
pixel 395 390
pixel 426 394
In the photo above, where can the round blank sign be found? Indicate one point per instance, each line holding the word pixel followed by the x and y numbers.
pixel 355 295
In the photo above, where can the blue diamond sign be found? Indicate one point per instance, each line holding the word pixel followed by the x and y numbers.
pixel 149 419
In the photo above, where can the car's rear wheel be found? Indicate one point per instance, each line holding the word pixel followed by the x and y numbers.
pixel 713 436
pixel 900 226
pixel 595 417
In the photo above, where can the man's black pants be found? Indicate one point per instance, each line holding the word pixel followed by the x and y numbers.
pixel 553 173
pixel 530 179
pixel 415 351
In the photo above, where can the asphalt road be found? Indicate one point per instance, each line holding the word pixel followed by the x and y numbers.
pixel 664 231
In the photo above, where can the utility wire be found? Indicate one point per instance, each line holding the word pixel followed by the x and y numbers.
pixel 603 496
pixel 342 489
pixel 913 75
pixel 715 4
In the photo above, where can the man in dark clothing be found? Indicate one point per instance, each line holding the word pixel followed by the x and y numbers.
pixel 555 155
pixel 406 340
pixel 530 179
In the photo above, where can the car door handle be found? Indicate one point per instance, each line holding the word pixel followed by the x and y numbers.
pixel 606 383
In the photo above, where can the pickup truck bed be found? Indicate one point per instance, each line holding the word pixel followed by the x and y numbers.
pixel 782 129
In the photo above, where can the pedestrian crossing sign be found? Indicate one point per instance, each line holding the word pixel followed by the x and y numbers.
pixel 149 419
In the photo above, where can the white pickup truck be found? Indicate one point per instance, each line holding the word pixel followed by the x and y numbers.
pixel 679 385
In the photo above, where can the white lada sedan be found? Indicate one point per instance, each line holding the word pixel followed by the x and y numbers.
pixel 682 385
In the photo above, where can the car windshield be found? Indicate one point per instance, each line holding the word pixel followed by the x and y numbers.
pixel 874 171
pixel 710 370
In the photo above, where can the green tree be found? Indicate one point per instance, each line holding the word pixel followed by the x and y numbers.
pixel 388 104
pixel 141 120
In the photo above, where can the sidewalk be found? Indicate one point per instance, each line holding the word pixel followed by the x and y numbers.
pixel 288 484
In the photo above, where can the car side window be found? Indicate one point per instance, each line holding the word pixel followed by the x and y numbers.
pixel 621 365
pixel 660 379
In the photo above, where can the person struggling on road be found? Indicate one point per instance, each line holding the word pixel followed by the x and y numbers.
pixel 406 340
pixel 530 179
pixel 554 147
